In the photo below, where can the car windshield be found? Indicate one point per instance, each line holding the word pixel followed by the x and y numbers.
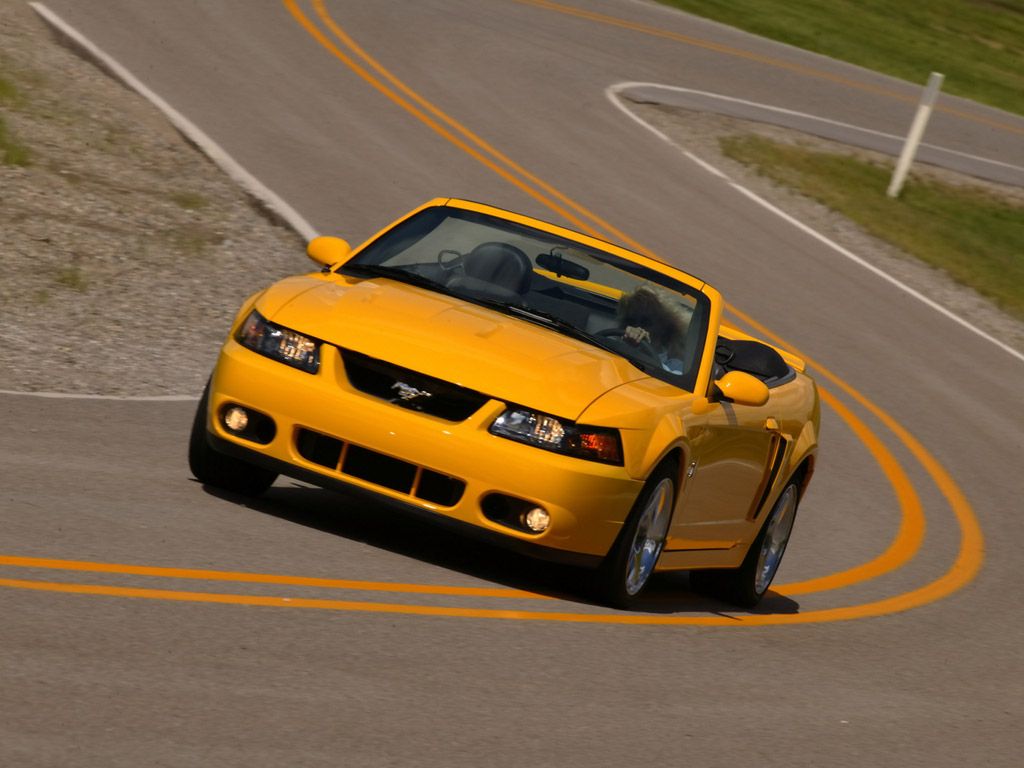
pixel 656 323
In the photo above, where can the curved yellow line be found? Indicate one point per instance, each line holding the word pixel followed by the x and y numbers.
pixel 405 104
pixel 911 531
pixel 263 578
pixel 485 146
pixel 945 585
pixel 697 42
pixel 908 538
pixel 966 565
pixel 902 549
pixel 972 547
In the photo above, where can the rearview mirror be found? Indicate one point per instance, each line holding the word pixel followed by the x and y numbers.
pixel 561 266
pixel 328 251
pixel 742 388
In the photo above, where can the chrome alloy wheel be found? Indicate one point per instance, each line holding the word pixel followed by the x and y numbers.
pixel 775 538
pixel 649 537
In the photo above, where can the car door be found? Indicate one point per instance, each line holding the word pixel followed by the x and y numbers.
pixel 733 449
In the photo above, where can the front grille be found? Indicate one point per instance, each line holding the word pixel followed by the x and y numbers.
pixel 378 468
pixel 409 389
pixel 320 449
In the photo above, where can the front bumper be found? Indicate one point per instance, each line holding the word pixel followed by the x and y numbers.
pixel 588 501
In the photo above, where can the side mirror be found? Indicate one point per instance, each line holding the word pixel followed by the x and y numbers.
pixel 742 389
pixel 328 251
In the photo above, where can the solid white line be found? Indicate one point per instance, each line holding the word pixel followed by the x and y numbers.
pixel 872 268
pixel 208 146
pixel 706 166
pixel 805 116
pixel 612 94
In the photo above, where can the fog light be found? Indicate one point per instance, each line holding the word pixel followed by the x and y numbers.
pixel 537 520
pixel 236 419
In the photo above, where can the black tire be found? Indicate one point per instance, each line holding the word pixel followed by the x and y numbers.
pixel 746 585
pixel 626 570
pixel 216 469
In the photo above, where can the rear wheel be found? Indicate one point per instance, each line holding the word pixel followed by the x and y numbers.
pixel 211 467
pixel 746 585
pixel 629 565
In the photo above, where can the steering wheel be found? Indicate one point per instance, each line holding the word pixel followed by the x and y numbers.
pixel 644 346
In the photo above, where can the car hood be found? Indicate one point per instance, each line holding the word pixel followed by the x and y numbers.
pixel 505 357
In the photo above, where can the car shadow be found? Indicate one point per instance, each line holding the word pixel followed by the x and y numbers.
pixel 390 527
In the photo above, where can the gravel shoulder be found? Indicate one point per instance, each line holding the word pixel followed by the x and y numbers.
pixel 126 252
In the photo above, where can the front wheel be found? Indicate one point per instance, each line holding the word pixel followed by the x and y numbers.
pixel 629 565
pixel 214 468
pixel 746 585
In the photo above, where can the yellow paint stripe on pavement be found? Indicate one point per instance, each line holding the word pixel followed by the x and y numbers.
pixel 908 538
pixel 935 590
pixel 431 122
pixel 263 578
pixel 911 531
pixel 484 146
pixel 968 560
pixel 971 555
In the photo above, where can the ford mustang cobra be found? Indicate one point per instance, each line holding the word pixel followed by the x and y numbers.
pixel 527 383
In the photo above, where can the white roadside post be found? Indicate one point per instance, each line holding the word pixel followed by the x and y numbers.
pixel 924 111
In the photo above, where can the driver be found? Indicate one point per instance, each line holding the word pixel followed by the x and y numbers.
pixel 649 317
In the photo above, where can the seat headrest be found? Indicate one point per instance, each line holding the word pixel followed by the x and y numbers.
pixel 501 264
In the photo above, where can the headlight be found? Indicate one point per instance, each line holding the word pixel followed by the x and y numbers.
pixel 281 344
pixel 544 431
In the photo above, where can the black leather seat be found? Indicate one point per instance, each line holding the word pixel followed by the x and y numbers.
pixel 501 265
pixel 751 357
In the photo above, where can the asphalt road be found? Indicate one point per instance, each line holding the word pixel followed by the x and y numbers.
pixel 310 628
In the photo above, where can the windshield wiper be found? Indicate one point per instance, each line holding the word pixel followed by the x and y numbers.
pixel 401 275
pixel 547 318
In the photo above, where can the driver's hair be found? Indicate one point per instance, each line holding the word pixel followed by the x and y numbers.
pixel 652 309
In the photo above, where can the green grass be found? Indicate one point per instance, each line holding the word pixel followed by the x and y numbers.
pixel 977 44
pixel 193 239
pixel 970 233
pixel 9 94
pixel 12 151
pixel 71 277
pixel 190 201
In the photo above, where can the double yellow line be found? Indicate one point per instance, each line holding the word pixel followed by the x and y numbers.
pixel 901 550
pixel 450 129
pixel 911 531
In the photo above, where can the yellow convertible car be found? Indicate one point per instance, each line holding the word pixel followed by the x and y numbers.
pixel 544 389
